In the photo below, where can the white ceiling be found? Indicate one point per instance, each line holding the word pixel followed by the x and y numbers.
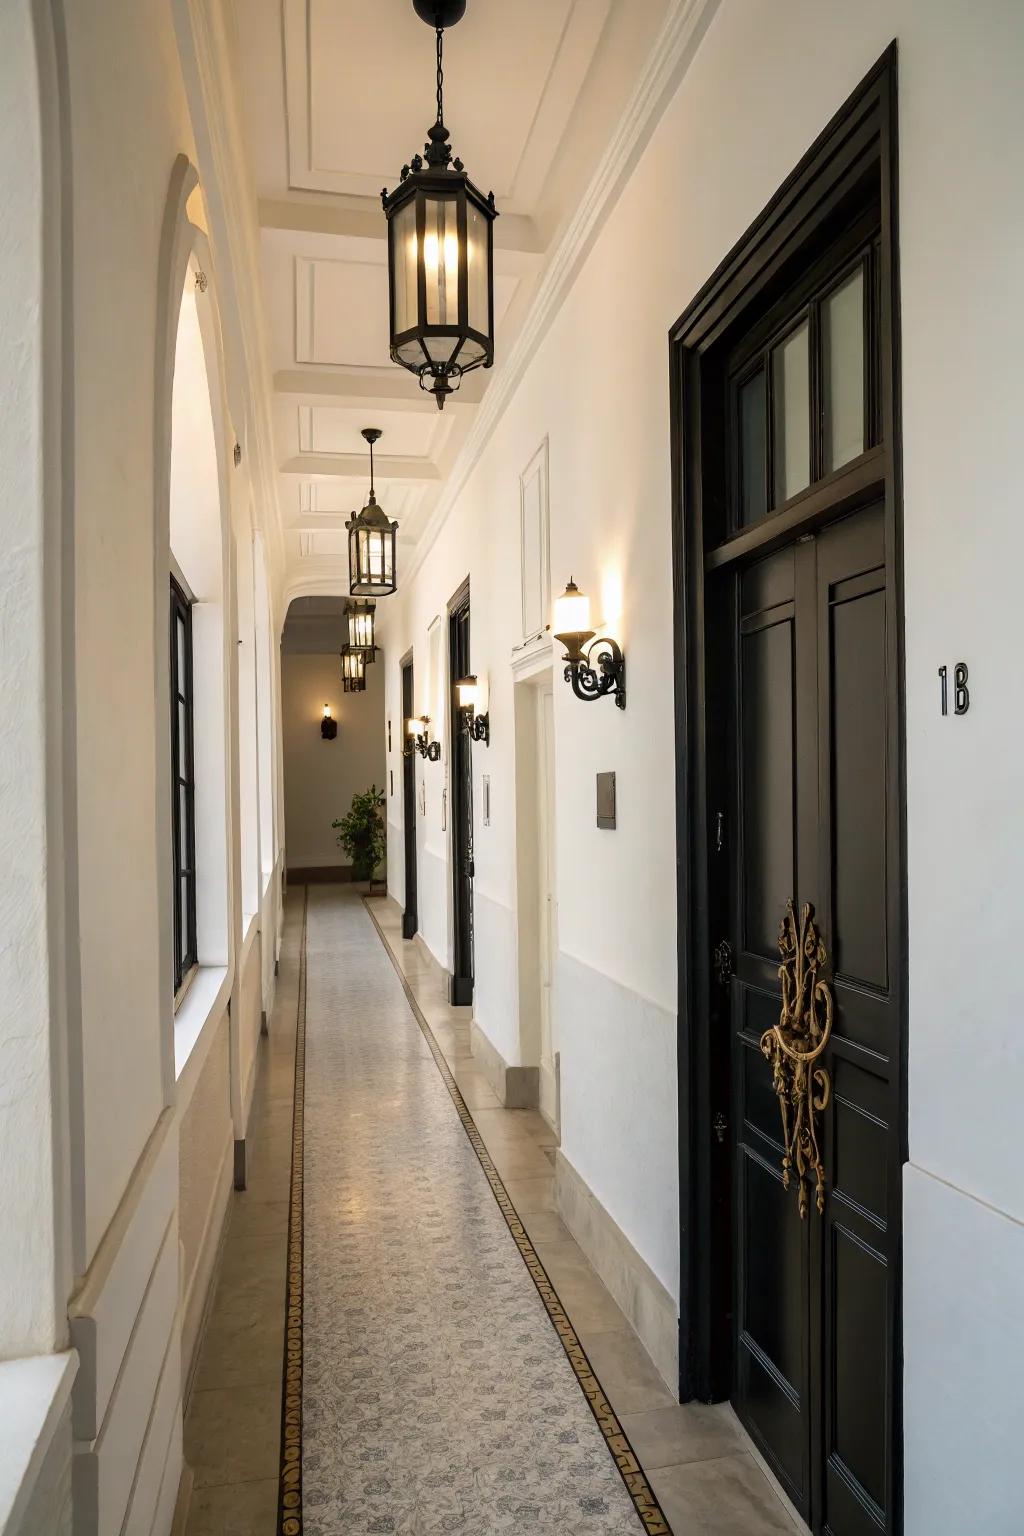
pixel 337 95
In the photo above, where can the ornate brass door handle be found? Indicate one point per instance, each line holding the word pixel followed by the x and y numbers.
pixel 795 1043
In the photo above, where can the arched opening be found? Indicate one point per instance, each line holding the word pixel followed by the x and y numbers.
pixel 198 683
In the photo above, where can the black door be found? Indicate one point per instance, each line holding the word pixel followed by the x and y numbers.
pixel 790 814
pixel 462 805
pixel 410 917
pixel 814 803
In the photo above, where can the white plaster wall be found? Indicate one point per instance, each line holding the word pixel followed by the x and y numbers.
pixel 320 777
pixel 764 82
pixel 128 121
pixel 29 1306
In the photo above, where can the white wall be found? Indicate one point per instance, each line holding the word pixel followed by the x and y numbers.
pixel 91 1127
pixel 320 777
pixel 764 82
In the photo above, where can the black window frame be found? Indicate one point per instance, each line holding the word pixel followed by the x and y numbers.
pixel 183 838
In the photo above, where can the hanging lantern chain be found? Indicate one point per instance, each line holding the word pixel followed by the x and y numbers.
pixel 440 75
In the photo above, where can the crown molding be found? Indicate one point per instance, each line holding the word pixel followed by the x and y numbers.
pixel 666 65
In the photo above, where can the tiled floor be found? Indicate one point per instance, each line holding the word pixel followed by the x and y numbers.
pixel 695 1457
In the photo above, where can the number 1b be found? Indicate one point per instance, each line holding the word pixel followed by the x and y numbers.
pixel 961 693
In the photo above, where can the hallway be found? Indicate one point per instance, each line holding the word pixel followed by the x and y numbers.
pixel 436 1394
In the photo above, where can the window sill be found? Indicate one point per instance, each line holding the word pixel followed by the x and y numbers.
pixel 203 1005
pixel 33 1396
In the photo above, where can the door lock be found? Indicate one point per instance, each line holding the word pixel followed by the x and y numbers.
pixel 720 1125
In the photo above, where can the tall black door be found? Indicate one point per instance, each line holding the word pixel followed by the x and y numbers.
pixel 792 955
pixel 814 1104
pixel 410 916
pixel 462 805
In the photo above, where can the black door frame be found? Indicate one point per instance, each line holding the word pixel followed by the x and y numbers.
pixel 461 760
pixel 410 915
pixel 859 143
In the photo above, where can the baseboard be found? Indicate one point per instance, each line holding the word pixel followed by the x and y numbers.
pixel 516 1087
pixel 648 1306
pixel 320 874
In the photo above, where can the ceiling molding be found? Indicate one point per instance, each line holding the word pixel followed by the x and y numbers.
pixel 356 466
pixel 666 65
pixel 349 384
pixel 362 218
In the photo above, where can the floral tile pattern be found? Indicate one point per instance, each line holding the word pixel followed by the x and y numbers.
pixel 436 1395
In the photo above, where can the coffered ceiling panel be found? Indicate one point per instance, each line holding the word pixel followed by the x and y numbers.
pixel 341 312
pixel 336 429
pixel 360 89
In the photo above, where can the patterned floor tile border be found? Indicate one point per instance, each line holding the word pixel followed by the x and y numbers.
pixel 289 1494
pixel 639 1489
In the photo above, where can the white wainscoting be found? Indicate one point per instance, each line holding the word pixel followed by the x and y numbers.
pixel 496 980
pixel 963 1340
pixel 124 1323
pixel 620 1108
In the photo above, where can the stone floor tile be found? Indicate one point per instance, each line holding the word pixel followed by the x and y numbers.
pixel 665 1437
pixel 234 1509
pixel 231 1434
pixel 729 1496
pixel 531 1195
pixel 625 1370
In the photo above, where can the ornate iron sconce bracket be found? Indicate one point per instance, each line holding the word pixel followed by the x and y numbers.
pixel 795 1044
pixel 477 727
pixel 429 750
pixel 592 677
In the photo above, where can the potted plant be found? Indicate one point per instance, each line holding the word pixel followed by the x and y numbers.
pixel 362 834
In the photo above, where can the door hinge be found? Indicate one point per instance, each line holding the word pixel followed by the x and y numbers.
pixel 722 961
pixel 719 831
pixel 720 1125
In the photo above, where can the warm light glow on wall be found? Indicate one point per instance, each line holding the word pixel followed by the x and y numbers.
pixel 611 598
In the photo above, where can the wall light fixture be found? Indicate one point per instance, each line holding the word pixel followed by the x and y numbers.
pixel 418 739
pixel 328 725
pixel 595 665
pixel 475 721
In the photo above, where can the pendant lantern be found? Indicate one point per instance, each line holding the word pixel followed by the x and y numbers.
pixel 359 617
pixel 440 251
pixel 353 670
pixel 372 571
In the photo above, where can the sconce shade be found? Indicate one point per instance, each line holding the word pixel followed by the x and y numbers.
pixel 468 692
pixel 572 617
pixel 360 628
pixel 414 726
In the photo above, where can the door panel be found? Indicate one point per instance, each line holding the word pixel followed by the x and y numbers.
pixel 814 776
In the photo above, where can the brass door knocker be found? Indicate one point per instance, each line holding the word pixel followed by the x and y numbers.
pixel 795 1043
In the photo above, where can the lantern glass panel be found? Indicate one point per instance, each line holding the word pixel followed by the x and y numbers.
pixel 403 265
pixel 441 262
pixel 477 241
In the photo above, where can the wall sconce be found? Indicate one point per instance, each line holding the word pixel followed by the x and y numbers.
pixel 353 670
pixel 595 666
pixel 419 740
pixel 328 726
pixel 469 694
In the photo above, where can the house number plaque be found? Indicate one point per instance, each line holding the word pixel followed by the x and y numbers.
pixel 961 692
